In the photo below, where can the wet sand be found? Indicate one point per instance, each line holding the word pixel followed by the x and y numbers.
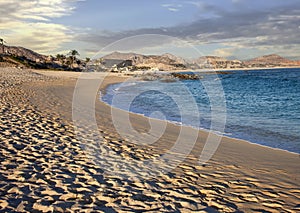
pixel 46 167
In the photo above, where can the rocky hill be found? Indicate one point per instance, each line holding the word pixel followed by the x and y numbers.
pixel 21 57
pixel 117 60
pixel 215 62
pixel 120 56
pixel 177 59
pixel 23 52
pixel 131 61
pixel 162 62
pixel 272 60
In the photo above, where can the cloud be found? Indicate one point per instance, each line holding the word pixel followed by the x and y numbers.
pixel 37 36
pixel 273 29
pixel 41 10
pixel 199 4
pixel 29 22
pixel 239 25
pixel 172 7
pixel 224 52
pixel 124 41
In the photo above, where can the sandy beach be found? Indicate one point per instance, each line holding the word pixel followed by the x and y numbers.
pixel 45 167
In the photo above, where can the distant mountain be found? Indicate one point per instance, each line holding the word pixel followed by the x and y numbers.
pixel 168 61
pixel 175 58
pixel 215 62
pixel 272 60
pixel 121 56
pixel 135 61
pixel 267 61
pixel 139 57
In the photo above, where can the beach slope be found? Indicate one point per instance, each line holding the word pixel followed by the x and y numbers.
pixel 46 167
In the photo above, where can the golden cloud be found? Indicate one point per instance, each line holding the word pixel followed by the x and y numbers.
pixel 28 23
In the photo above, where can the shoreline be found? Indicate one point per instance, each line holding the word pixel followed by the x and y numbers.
pixel 232 69
pixel 104 91
pixel 47 156
pixel 202 129
pixel 121 77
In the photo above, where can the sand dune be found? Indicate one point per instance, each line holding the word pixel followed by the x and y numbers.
pixel 46 168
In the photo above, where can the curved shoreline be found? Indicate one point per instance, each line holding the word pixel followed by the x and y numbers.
pixel 240 176
pixel 104 91
pixel 234 69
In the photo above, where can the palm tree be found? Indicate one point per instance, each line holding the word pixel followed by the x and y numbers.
pixel 61 58
pixel 2 44
pixel 73 54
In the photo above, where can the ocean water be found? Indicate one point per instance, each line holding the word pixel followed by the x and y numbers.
pixel 261 106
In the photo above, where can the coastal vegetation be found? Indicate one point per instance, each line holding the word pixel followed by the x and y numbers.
pixel 123 62
pixel 2 44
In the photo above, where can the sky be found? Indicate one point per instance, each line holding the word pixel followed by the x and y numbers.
pixel 241 29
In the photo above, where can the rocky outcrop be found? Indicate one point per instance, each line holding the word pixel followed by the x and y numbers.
pixel 187 76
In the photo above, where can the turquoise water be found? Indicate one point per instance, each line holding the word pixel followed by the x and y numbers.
pixel 261 106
